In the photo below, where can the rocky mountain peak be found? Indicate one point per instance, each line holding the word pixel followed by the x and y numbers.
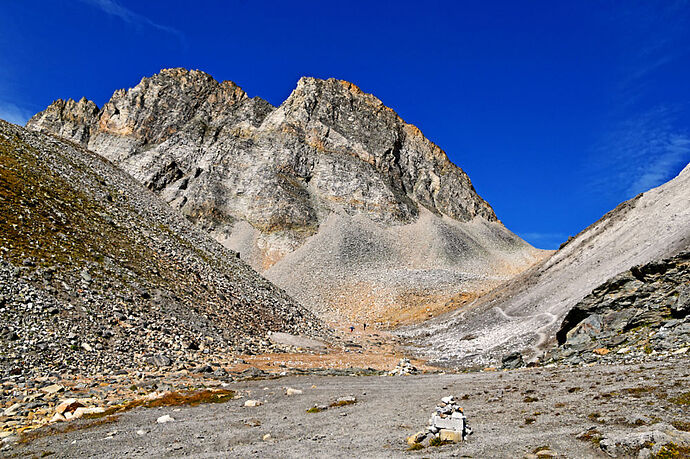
pixel 336 117
pixel 152 111
pixel 69 119
pixel 163 104
pixel 320 116
pixel 264 180
pixel 330 88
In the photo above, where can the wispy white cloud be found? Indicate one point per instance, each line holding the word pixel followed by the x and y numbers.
pixel 13 113
pixel 656 39
pixel 646 140
pixel 646 65
pixel 641 153
pixel 672 153
pixel 114 8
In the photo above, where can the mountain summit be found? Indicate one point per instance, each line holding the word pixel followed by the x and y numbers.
pixel 403 223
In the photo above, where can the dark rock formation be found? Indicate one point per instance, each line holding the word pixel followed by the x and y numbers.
pixel 641 311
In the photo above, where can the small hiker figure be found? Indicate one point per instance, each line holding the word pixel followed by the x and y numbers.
pixel 352 328
pixel 365 326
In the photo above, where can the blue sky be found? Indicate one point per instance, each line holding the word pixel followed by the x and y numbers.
pixel 558 111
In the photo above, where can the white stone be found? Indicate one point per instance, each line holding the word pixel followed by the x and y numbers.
pixel 448 423
pixel 68 405
pixel 57 418
pixel 165 418
pixel 291 391
pixel 253 403
pixel 52 389
pixel 11 411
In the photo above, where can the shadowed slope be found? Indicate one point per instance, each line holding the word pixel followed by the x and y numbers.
pixel 97 273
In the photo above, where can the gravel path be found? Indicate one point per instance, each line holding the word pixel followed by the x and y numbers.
pixel 542 337
pixel 512 413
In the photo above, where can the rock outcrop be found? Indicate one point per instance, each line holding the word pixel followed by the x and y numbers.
pixel 272 183
pixel 642 311
pixel 97 274
pixel 524 314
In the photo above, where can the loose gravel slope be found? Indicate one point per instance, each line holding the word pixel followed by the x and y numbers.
pixel 525 313
pixel 97 274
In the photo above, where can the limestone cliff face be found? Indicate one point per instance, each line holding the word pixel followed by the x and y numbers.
pixel 328 147
pixel 337 120
pixel 261 179
pixel 69 119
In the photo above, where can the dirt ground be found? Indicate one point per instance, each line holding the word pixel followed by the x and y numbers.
pixel 512 413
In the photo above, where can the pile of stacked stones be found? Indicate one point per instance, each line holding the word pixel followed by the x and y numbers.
pixel 447 423
pixel 404 367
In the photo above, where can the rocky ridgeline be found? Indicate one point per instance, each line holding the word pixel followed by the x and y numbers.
pixel 279 169
pixel 98 276
pixel 331 160
pixel 641 313
pixel 524 314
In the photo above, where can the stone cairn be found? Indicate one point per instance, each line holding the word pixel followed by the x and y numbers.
pixel 447 423
pixel 404 367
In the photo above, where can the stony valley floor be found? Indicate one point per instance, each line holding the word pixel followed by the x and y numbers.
pixel 513 414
